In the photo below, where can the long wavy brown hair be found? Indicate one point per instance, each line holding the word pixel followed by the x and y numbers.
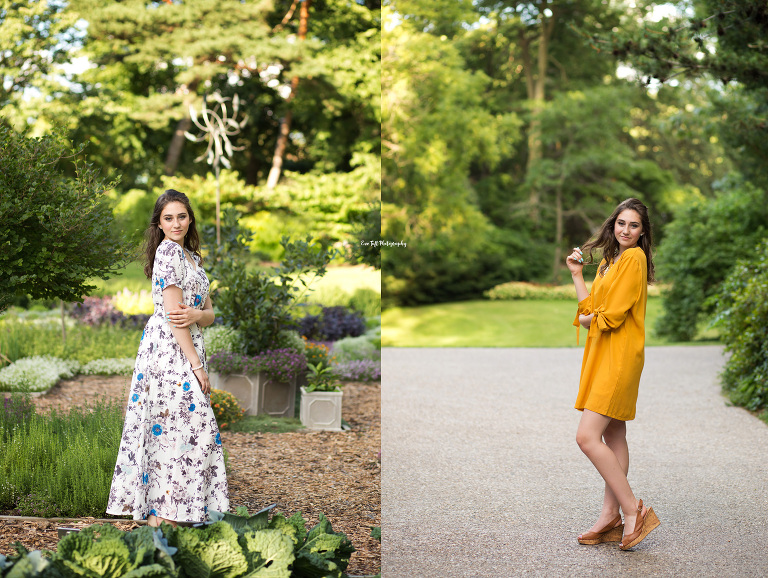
pixel 154 235
pixel 605 239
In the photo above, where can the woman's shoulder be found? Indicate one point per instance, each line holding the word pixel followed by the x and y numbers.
pixel 635 254
pixel 168 248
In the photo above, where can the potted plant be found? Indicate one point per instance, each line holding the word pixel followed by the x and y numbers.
pixel 320 406
pixel 265 383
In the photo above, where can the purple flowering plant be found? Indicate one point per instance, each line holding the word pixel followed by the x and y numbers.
pixel 359 370
pixel 279 364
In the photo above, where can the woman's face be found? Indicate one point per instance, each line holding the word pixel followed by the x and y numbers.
pixel 174 221
pixel 628 228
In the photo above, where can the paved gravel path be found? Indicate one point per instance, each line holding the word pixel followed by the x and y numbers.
pixel 481 475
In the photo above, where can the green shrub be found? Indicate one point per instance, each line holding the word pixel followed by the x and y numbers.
pixel 355 348
pixel 256 303
pixel 289 339
pixel 64 460
pixel 520 290
pixel 226 408
pixel 700 248
pixel 742 316
pixel 56 232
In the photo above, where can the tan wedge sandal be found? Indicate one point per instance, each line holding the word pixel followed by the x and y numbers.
pixel 643 527
pixel 610 533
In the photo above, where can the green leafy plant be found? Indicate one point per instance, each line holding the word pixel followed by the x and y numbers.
pixel 226 408
pixel 701 247
pixel 356 348
pixel 256 303
pixel 231 545
pixel 742 316
pixel 321 378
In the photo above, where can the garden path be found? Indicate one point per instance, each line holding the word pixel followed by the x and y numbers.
pixel 482 476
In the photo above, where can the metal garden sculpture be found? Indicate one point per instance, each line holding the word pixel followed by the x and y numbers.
pixel 217 126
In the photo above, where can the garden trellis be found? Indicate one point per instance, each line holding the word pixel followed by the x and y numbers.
pixel 217 126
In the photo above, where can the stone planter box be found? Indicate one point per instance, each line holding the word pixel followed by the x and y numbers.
pixel 258 394
pixel 321 410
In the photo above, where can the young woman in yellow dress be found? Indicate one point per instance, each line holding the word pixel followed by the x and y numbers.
pixel 614 313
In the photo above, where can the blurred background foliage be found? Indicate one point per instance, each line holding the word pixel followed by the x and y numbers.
pixel 512 129
pixel 120 77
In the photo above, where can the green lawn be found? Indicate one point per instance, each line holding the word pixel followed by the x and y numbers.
pixel 496 324
pixel 342 278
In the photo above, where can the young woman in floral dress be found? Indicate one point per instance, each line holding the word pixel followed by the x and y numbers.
pixel 614 313
pixel 171 465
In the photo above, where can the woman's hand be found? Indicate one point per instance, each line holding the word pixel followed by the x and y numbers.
pixel 184 316
pixel 575 262
pixel 202 378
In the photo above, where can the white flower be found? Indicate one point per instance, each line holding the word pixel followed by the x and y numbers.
pixel 38 373
pixel 109 366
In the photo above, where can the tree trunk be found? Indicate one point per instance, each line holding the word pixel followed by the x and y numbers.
pixel 535 84
pixel 63 325
pixel 558 234
pixel 177 144
pixel 285 122
pixel 282 142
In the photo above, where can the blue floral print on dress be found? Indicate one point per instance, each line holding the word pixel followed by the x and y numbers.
pixel 145 478
pixel 186 386
pixel 192 407
pixel 198 300
pixel 157 429
pixel 152 512
pixel 139 377
pixel 218 439
pixel 135 397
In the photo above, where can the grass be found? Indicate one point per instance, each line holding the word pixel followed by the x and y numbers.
pixel 266 424
pixel 132 278
pixel 480 323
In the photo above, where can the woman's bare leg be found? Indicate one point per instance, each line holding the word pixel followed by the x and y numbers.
pixel 611 459
pixel 615 437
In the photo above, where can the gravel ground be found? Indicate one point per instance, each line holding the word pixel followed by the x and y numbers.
pixel 482 476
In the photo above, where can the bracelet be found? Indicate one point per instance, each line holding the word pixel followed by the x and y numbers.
pixel 196 368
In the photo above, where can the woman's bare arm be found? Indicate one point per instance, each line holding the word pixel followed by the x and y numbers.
pixel 182 315
pixel 172 295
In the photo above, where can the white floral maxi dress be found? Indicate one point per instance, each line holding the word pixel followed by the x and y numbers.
pixel 171 462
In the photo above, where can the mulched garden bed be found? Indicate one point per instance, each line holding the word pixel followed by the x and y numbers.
pixel 334 473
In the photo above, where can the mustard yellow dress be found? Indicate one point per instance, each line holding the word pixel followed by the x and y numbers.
pixel 615 349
